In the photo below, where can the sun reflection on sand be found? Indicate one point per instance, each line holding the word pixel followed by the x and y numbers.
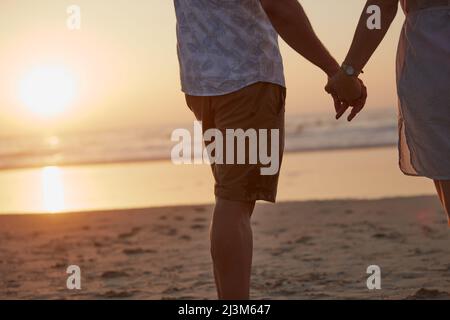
pixel 52 189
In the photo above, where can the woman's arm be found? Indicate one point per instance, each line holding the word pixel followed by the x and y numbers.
pixel 364 44
pixel 366 41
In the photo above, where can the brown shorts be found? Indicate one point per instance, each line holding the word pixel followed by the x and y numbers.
pixel 258 106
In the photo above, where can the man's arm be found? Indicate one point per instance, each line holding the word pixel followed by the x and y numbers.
pixel 290 21
pixel 366 41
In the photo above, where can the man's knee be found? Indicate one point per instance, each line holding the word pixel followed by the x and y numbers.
pixel 231 221
pixel 231 207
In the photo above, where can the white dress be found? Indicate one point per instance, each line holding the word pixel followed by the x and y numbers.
pixel 423 85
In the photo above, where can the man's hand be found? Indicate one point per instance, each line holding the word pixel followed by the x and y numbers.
pixel 347 92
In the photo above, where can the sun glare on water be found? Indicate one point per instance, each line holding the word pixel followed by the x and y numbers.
pixel 52 189
pixel 47 91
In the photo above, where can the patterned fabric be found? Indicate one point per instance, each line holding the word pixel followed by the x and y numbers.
pixel 225 45
pixel 414 5
pixel 423 73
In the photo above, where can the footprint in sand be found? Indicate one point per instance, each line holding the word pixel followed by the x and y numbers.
pixel 368 225
pixel 171 290
pixel 279 231
pixel 446 268
pixel 114 274
pixel 35 234
pixel 316 259
pixel 130 234
pixel 117 294
pixel 274 284
pixel 304 240
pixel 318 296
pixel 281 251
pixel 175 268
pixel 165 230
pixel 313 276
pixel 11 293
pixel 417 251
pixel 197 226
pixel 6 236
pixel 12 284
pixel 171 232
pixel 185 237
pixel 388 236
pixel 138 251
pixel 426 294
pixel 98 244
pixel 430 232
pixel 337 225
pixel 60 265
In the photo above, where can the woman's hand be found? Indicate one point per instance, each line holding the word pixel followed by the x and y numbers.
pixel 347 92
pixel 347 88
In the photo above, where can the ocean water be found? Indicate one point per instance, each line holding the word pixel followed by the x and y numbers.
pixel 303 133
pixel 331 174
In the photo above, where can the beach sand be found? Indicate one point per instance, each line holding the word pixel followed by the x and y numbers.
pixel 303 250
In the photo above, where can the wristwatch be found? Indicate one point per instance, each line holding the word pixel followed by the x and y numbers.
pixel 349 70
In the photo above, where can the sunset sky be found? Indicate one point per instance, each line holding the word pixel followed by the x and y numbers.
pixel 121 68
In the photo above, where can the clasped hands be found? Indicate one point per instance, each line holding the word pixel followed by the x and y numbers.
pixel 347 92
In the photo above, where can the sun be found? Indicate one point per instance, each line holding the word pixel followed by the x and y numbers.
pixel 47 90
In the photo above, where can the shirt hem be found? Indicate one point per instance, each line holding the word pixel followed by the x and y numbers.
pixel 224 92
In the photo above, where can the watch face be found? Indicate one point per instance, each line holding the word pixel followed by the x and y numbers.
pixel 349 70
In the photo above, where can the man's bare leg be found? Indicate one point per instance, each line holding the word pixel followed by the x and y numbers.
pixel 232 248
pixel 443 190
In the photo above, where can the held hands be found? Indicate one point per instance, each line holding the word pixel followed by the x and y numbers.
pixel 347 92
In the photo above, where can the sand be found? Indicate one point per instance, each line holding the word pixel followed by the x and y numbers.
pixel 303 250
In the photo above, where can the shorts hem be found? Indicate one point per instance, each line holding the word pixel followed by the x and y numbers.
pixel 245 198
pixel 422 175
